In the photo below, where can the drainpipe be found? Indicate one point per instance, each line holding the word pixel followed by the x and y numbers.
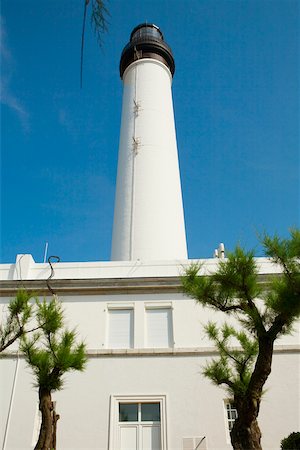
pixel 11 402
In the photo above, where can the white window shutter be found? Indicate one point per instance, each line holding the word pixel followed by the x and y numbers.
pixel 159 328
pixel 120 328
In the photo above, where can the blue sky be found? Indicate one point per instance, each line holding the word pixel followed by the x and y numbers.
pixel 236 99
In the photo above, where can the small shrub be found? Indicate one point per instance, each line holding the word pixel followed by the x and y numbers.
pixel 292 442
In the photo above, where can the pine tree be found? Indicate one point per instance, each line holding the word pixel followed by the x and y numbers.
pixel 264 312
pixel 51 353
pixel 98 20
pixel 13 326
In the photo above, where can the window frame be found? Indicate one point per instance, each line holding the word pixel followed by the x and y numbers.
pixel 115 400
pixel 155 306
pixel 120 307
pixel 228 422
pixel 140 413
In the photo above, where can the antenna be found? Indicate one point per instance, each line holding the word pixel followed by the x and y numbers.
pixel 46 251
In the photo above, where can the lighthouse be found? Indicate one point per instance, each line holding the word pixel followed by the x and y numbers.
pixel 148 217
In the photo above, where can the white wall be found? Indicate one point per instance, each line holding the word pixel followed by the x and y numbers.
pixel 25 268
pixel 148 218
pixel 194 405
pixel 89 315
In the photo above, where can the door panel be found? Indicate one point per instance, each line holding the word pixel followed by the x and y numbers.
pixel 128 437
pixel 150 437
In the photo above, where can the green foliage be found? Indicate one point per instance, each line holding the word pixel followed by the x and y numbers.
pixel 238 275
pixel 52 351
pixel 20 306
pixel 237 353
pixel 99 15
pixel 233 284
pixel 283 297
pixel 282 250
pixel 98 18
pixel 263 312
pixel 19 314
pixel 292 442
pixel 232 289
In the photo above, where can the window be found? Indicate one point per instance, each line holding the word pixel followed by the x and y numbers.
pixel 139 412
pixel 231 413
pixel 159 330
pixel 120 328
pixel 138 422
pixel 146 32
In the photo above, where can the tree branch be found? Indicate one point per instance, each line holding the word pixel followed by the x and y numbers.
pixel 11 341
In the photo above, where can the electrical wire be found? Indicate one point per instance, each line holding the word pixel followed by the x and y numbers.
pixel 52 273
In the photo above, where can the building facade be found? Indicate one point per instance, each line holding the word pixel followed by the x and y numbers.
pixel 143 387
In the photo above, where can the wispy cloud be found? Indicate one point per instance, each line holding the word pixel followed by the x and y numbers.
pixel 7 95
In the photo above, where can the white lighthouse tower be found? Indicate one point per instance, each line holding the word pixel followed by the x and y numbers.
pixel 148 218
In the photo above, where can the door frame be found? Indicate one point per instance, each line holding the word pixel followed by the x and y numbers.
pixel 114 415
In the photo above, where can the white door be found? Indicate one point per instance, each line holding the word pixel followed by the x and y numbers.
pixel 128 438
pixel 139 426
pixel 151 437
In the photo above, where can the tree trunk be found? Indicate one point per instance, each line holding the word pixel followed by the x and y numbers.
pixel 245 434
pixel 245 437
pixel 55 418
pixel 45 439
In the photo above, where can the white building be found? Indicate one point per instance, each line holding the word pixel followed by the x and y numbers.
pixel 143 387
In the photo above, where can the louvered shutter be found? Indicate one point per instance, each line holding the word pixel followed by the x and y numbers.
pixel 159 328
pixel 120 328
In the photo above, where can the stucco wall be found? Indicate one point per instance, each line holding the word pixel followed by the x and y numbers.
pixel 194 405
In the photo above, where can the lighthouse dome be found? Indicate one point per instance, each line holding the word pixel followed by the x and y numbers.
pixel 146 41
